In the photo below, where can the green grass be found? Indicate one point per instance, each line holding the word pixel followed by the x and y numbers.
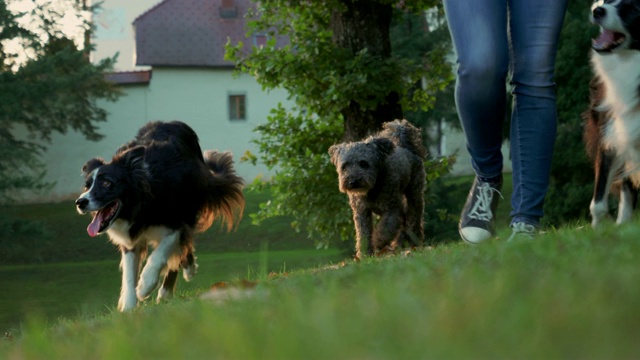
pixel 45 233
pixel 69 289
pixel 571 293
pixel 52 267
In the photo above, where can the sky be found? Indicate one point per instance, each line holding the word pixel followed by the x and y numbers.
pixel 68 23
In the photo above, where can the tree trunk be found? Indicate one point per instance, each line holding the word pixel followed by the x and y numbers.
pixel 365 25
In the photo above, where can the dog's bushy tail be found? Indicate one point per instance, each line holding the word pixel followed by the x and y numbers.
pixel 225 199
pixel 402 133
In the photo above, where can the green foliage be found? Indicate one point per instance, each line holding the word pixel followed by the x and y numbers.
pixel 53 90
pixel 322 78
pixel 301 57
pixel 442 199
pixel 411 40
pixel 571 173
pixel 305 183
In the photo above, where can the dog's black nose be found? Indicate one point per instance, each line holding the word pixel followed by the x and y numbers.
pixel 82 203
pixel 599 13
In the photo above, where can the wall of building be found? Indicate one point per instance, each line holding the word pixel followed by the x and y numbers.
pixel 197 97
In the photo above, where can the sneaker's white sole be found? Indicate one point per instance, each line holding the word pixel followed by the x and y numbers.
pixel 474 235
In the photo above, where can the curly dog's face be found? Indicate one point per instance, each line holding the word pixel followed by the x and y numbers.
pixel 358 163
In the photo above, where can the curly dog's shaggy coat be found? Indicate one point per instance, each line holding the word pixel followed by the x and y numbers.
pixel 384 175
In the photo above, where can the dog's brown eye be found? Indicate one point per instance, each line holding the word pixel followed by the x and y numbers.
pixel 363 164
pixel 106 183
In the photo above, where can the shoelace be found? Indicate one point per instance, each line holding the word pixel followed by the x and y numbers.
pixel 481 210
pixel 522 230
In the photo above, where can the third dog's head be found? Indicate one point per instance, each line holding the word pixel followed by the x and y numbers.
pixel 358 163
pixel 619 22
pixel 110 186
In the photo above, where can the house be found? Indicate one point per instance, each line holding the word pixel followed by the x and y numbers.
pixel 177 71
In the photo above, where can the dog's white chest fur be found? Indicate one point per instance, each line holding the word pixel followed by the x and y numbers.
pixel 620 74
pixel 119 234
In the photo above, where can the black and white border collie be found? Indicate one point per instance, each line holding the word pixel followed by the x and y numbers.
pixel 612 128
pixel 158 190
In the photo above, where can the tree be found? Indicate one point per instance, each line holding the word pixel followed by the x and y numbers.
pixel 47 85
pixel 424 39
pixel 336 60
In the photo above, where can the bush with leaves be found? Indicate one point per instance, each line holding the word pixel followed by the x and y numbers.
pixel 304 186
pixel 335 60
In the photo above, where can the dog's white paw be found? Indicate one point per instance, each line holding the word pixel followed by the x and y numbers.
pixel 148 282
pixel 164 294
pixel 189 272
pixel 127 302
pixel 599 212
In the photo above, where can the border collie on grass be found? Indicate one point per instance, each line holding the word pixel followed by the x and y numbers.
pixel 157 191
pixel 612 130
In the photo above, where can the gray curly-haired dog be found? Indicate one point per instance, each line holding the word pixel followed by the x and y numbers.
pixel 384 175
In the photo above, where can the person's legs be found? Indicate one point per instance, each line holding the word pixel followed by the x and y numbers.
pixel 534 29
pixel 479 33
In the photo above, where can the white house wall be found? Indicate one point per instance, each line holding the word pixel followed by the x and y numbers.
pixel 199 98
pixel 196 96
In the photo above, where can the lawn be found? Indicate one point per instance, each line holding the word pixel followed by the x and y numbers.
pixel 51 267
pixel 70 289
pixel 571 293
pixel 45 233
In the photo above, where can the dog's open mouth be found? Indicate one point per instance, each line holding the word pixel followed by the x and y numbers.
pixel 103 218
pixel 608 40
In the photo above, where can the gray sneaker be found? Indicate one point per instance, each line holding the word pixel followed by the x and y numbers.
pixel 477 221
pixel 522 230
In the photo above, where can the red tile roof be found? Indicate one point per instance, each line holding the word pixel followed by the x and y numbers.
pixel 189 32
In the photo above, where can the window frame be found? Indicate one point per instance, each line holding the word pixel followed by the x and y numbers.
pixel 237 107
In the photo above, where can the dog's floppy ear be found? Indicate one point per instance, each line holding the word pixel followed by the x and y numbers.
pixel 91 165
pixel 383 146
pixel 134 160
pixel 134 157
pixel 334 151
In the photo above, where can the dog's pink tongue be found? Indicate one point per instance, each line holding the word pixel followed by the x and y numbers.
pixel 94 227
pixel 606 38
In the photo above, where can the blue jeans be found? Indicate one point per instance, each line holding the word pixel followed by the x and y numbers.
pixel 496 39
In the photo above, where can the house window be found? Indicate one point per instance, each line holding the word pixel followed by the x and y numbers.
pixel 228 9
pixel 260 40
pixel 237 107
